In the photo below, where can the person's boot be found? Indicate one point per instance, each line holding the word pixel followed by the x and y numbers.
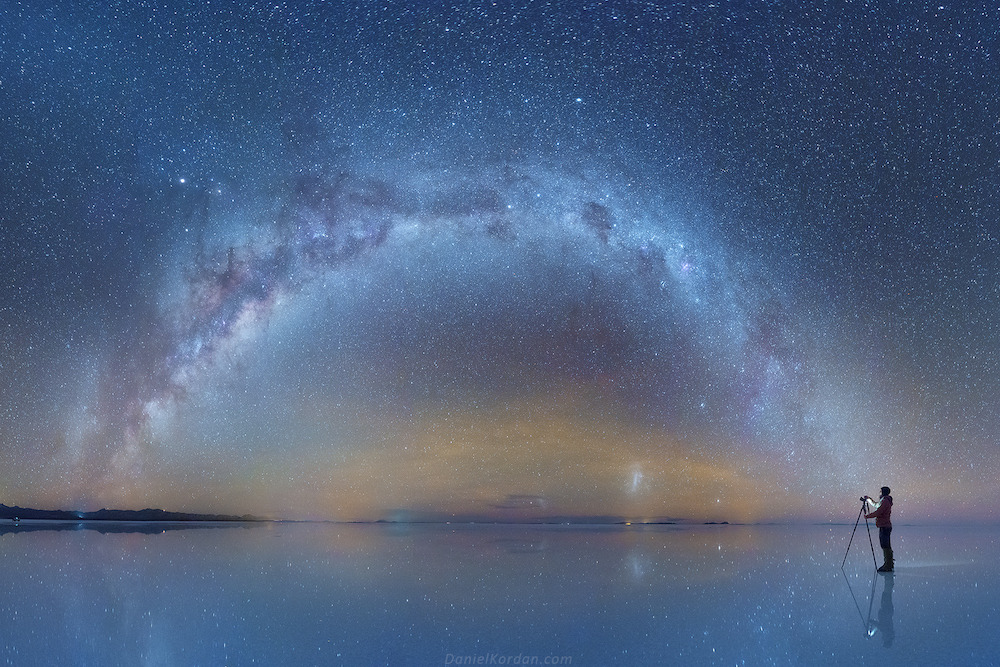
pixel 888 564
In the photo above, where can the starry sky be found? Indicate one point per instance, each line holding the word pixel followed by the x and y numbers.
pixel 511 260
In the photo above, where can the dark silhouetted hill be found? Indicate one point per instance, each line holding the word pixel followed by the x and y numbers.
pixel 115 515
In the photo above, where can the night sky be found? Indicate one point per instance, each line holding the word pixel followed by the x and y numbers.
pixel 721 261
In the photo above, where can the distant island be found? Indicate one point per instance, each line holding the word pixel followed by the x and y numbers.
pixel 115 515
pixel 402 516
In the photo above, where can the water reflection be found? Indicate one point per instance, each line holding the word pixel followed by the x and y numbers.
pixel 367 594
pixel 865 617
pixel 883 622
pixel 147 527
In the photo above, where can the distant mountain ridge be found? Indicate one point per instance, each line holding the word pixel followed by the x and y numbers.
pixel 147 514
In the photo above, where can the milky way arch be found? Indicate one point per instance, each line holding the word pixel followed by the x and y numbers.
pixel 692 325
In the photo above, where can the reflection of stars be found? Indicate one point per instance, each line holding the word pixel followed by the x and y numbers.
pixel 638 566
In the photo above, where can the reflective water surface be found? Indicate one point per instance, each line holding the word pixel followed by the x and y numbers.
pixel 317 594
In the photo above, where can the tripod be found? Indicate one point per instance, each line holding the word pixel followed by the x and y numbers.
pixel 872 544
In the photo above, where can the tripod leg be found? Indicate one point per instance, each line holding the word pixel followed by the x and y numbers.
pixel 871 543
pixel 852 536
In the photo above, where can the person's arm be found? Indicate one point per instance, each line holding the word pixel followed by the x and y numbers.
pixel 874 507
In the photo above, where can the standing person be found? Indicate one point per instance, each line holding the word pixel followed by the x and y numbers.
pixel 880 511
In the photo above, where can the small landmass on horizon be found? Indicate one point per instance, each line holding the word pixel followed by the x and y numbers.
pixel 404 517
pixel 147 514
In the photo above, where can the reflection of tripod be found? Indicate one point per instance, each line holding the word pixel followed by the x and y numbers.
pixel 883 623
pixel 864 504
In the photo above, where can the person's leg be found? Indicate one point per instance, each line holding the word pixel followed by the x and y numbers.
pixel 884 535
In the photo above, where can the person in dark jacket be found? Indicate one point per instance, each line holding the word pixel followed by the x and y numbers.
pixel 881 511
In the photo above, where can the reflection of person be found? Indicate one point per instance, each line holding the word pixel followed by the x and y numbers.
pixel 884 622
pixel 880 511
